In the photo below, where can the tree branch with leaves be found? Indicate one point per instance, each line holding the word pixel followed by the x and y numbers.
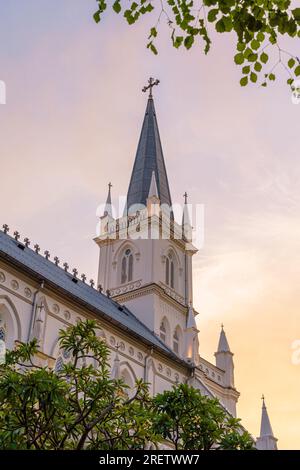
pixel 259 25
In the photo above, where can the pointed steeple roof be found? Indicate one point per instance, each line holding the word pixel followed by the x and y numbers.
pixel 265 425
pixel 108 207
pixel 185 213
pixel 153 191
pixel 223 345
pixel 149 158
pixel 191 322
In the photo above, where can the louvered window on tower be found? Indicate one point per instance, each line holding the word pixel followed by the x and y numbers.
pixel 170 271
pixel 127 267
pixel 162 331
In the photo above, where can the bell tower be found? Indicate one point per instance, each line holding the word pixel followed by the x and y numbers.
pixel 146 256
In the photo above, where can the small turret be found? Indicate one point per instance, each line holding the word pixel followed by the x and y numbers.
pixel 191 337
pixel 186 223
pixel 224 359
pixel 266 440
pixel 108 206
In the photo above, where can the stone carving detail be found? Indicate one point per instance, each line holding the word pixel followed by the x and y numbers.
pixel 140 356
pixel 67 315
pixel 55 308
pixel 122 346
pixel 168 372
pixel 127 288
pixel 112 340
pixel 2 277
pixel 27 292
pixel 131 351
pixel 160 367
pixel 14 284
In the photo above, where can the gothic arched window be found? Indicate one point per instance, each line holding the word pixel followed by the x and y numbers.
pixel 170 270
pixel 59 365
pixel 2 334
pixel 177 336
pixel 2 344
pixel 127 267
pixel 163 331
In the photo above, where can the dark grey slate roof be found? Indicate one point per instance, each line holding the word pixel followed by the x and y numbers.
pixel 39 268
pixel 149 157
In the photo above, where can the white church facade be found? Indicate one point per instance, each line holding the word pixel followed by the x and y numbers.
pixel 143 299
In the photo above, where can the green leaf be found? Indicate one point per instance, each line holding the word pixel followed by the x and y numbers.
pixel 257 66
pixel 264 58
pixel 189 41
pixel 97 16
pixel 153 32
pixel 260 36
pixel 247 52
pixel 252 57
pixel 253 77
pixel 240 46
pixel 116 6
pixel 239 58
pixel 246 69
pixel 296 13
pixel 289 81
pixel 272 76
pixel 152 48
pixel 212 15
pixel 178 41
pixel 297 71
pixel 244 81
pixel 220 26
pixel 291 63
pixel 227 23
pixel 255 44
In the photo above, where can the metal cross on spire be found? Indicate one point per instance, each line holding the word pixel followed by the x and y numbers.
pixel 185 197
pixel 152 82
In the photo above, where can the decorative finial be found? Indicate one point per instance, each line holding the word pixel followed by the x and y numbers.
pixel 16 235
pixel 56 260
pixel 47 254
pixel 263 397
pixel 5 228
pixel 75 272
pixel 185 197
pixel 100 288
pixel 108 292
pixel 152 82
pixel 26 242
pixel 222 326
pixel 36 248
pixel 109 186
pixel 92 282
pixel 83 277
pixel 66 267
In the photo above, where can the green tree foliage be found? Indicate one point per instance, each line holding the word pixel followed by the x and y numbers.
pixel 81 407
pixel 75 408
pixel 258 26
pixel 193 421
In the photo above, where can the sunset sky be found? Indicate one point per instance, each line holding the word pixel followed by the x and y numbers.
pixel 71 124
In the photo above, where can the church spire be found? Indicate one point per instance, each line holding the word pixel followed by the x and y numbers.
pixel 224 359
pixel 108 207
pixel 266 440
pixel 223 345
pixel 149 158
